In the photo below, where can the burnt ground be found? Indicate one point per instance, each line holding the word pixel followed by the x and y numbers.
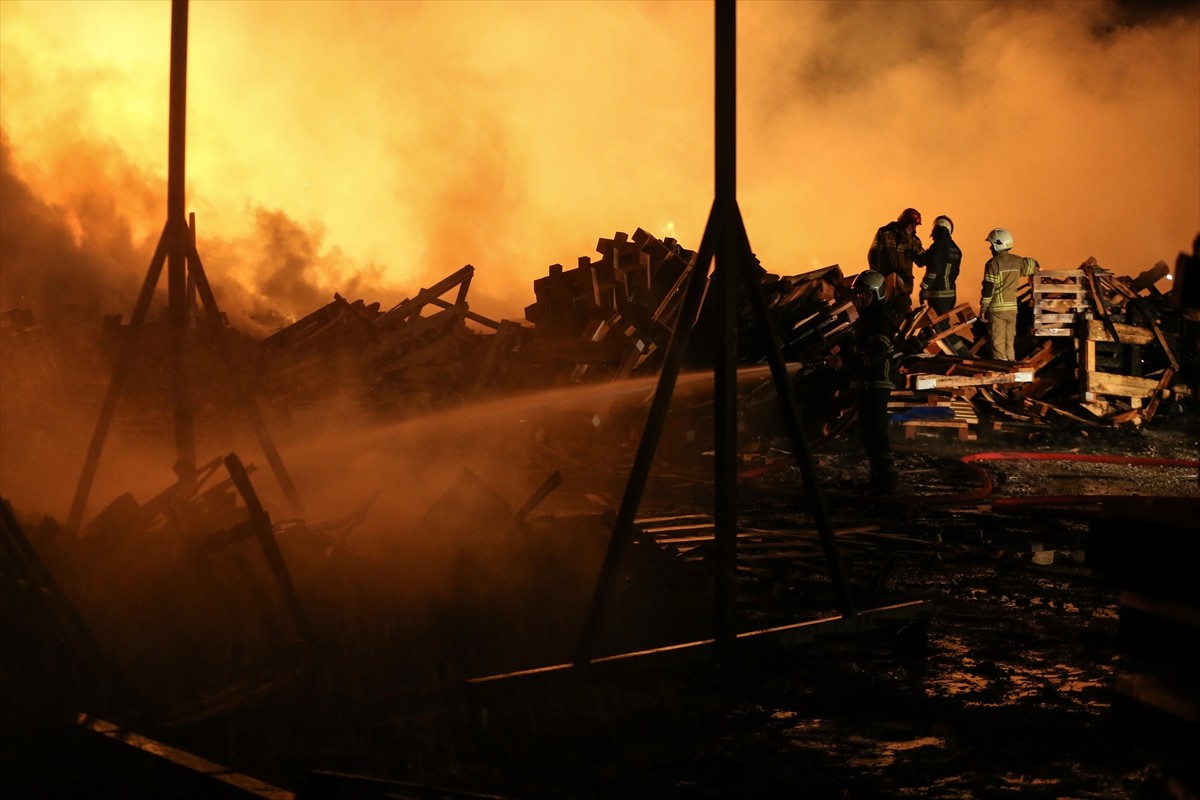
pixel 1001 687
pixel 1004 690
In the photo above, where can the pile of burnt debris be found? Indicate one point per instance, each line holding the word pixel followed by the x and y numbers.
pixel 278 637
pixel 1097 349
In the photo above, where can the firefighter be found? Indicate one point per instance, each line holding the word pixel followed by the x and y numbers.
pixel 870 363
pixel 941 262
pixel 892 252
pixel 998 303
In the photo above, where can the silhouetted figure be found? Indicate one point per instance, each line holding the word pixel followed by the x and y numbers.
pixel 893 251
pixel 870 363
pixel 941 262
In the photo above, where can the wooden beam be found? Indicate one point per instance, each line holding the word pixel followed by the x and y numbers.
pixel 1127 334
pixel 1118 385
pixel 987 379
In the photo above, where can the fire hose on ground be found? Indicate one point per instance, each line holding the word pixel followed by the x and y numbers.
pixel 984 490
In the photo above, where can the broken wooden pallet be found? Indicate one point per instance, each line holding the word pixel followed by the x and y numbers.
pixel 1058 295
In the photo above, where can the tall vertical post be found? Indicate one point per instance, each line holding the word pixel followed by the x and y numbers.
pixel 725 107
pixel 185 280
pixel 177 119
pixel 724 241
pixel 178 240
pixel 725 306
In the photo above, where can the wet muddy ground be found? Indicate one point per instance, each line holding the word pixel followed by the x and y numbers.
pixel 1001 688
pixel 1004 690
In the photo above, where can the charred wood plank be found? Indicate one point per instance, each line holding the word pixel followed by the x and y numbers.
pixel 1097 331
pixel 261 523
pixel 405 309
pixel 471 315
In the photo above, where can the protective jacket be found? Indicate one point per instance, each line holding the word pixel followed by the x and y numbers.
pixel 893 250
pixel 874 337
pixel 1001 279
pixel 941 262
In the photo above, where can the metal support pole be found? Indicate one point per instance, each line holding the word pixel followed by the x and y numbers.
pixel 185 278
pixel 725 239
pixel 725 305
pixel 693 296
pixel 109 407
pixel 791 415
pixel 178 236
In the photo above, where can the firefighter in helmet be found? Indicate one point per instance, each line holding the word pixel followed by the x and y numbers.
pixel 998 301
pixel 893 251
pixel 871 367
pixel 941 262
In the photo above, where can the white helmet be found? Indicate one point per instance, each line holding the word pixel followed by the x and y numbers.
pixel 1000 240
pixel 944 222
pixel 870 281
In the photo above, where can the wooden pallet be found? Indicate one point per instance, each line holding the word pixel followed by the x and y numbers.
pixel 1058 296
pixel 1095 382
pixel 960 429
pixel 959 420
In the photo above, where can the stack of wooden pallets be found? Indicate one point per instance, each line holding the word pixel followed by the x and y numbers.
pixel 1058 296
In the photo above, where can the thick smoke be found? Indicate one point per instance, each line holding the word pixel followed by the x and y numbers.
pixel 409 139
pixel 56 260
pixel 370 149
pixel 1072 124
pixel 283 270
pixel 88 260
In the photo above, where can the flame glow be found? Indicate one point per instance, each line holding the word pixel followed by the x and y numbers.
pixel 370 148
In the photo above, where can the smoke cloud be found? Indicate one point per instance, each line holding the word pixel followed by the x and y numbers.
pixel 1071 124
pixel 403 140
pixel 371 149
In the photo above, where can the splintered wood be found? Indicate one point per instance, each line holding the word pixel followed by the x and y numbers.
pixel 1101 350
pixel 1096 349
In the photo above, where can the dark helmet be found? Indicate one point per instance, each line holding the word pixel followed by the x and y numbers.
pixel 870 281
pixel 909 216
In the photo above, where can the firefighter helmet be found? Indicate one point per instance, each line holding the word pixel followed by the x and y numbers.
pixel 1000 240
pixel 944 222
pixel 871 282
pixel 909 216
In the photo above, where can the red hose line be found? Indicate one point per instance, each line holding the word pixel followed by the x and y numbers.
pixel 1054 500
pixel 1137 461
pixel 986 484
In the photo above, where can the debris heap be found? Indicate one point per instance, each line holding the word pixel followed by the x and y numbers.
pixel 1099 350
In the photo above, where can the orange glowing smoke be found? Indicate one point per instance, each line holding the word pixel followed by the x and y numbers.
pixel 370 148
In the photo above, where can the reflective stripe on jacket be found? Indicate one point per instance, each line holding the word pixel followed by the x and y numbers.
pixel 941 262
pixel 1001 279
